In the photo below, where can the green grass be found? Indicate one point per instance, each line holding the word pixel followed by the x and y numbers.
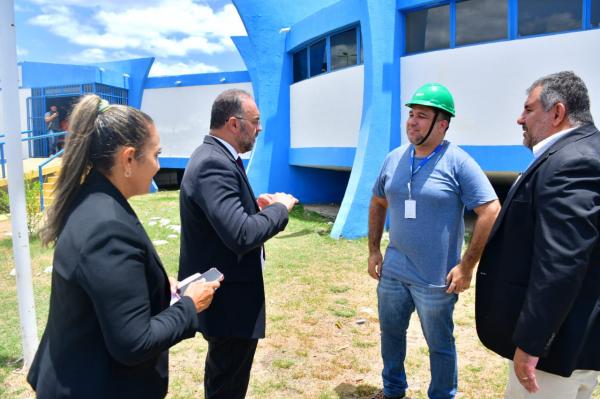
pixel 317 289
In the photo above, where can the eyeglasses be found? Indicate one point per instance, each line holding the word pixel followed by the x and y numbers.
pixel 254 122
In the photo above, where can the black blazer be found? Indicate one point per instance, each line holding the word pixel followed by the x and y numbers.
pixel 110 324
pixel 221 226
pixel 538 282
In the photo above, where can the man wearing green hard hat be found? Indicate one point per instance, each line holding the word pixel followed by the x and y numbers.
pixel 425 186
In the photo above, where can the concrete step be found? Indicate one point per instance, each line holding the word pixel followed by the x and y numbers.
pixel 48 188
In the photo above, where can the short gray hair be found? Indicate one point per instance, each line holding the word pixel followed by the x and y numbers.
pixel 567 88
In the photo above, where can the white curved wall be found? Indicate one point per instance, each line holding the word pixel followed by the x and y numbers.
pixel 182 114
pixel 325 111
pixel 488 81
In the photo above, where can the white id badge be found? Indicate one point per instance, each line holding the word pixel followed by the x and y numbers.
pixel 410 209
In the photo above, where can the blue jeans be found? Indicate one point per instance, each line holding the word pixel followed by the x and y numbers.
pixel 52 141
pixel 397 301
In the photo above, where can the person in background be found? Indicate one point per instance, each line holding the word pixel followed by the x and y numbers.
pixel 537 299
pixel 224 225
pixel 110 324
pixel 64 127
pixel 426 186
pixel 52 119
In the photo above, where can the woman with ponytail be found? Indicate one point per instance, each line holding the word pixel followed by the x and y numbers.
pixel 110 324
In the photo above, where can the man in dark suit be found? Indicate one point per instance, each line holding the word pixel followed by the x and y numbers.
pixel 538 283
pixel 223 225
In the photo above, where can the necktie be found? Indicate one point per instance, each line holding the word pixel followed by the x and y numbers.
pixel 262 249
pixel 240 164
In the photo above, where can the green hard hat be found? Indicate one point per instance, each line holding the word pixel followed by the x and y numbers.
pixel 433 95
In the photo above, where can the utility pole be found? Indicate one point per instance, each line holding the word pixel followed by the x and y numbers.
pixel 9 93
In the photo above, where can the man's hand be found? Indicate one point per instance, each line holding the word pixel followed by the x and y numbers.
pixel 264 200
pixel 459 279
pixel 525 370
pixel 286 199
pixel 375 263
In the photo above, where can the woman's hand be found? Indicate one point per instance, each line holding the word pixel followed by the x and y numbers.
pixel 202 293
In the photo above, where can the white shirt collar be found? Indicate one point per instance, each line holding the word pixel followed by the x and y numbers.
pixel 228 146
pixel 543 145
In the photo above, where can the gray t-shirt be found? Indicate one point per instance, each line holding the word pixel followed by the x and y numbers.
pixel 54 124
pixel 423 250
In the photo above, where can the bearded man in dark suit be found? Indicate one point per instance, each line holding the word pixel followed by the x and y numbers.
pixel 224 225
pixel 538 283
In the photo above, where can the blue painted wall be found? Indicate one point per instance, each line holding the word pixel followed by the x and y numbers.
pixel 329 19
pixel 137 70
pixel 380 125
pixel 270 67
pixel 323 157
pixel 500 158
pixel 197 79
pixel 41 74
pixel 38 74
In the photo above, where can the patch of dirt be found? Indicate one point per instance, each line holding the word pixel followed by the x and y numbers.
pixel 328 211
pixel 5 227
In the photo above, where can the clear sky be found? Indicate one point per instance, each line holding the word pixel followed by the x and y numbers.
pixel 185 36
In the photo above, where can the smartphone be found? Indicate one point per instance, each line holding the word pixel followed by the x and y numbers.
pixel 212 274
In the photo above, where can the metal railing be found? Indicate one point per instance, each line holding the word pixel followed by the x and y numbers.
pixel 2 157
pixel 30 139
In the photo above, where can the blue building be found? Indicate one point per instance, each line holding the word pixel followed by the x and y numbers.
pixel 331 77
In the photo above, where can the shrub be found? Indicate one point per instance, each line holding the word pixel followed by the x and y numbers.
pixel 32 201
pixel 4 205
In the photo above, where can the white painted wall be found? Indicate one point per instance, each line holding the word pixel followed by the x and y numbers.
pixel 182 114
pixel 23 95
pixel 325 111
pixel 488 81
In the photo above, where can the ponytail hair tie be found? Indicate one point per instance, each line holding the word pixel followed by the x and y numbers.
pixel 103 106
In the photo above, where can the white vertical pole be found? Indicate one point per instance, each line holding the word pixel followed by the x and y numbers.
pixel 16 189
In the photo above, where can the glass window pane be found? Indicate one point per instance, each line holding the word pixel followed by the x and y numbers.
pixel 481 21
pixel 595 14
pixel 300 65
pixel 545 16
pixel 362 52
pixel 343 49
pixel 428 29
pixel 318 58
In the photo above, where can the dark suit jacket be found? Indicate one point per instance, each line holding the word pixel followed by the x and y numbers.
pixel 110 324
pixel 538 282
pixel 222 227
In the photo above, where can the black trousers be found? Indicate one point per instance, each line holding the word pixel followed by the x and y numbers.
pixel 227 367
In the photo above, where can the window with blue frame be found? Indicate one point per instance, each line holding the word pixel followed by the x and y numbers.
pixel 301 65
pixel 328 53
pixel 343 49
pixel 481 21
pixel 428 29
pixel 463 22
pixel 547 16
pixel 318 58
pixel 595 14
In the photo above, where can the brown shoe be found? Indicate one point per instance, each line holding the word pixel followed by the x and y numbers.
pixel 380 395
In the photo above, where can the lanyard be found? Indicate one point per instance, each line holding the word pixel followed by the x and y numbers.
pixel 416 170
